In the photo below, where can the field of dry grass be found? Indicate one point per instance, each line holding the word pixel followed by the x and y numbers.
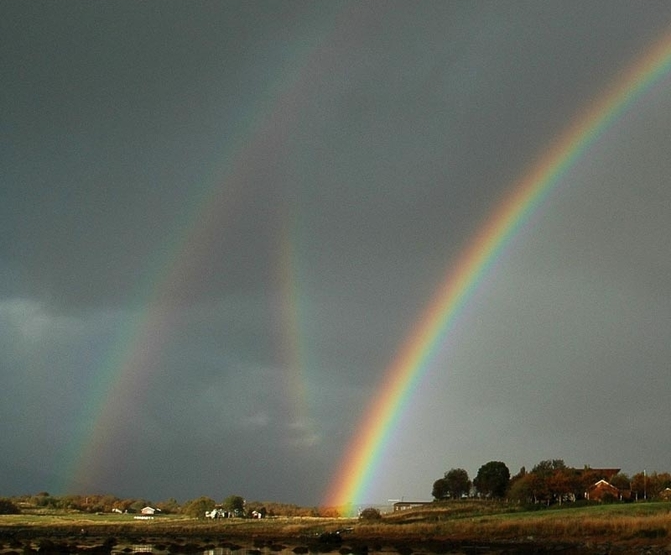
pixel 630 526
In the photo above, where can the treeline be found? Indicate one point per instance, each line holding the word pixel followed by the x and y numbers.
pixel 104 503
pixel 550 482
pixel 92 503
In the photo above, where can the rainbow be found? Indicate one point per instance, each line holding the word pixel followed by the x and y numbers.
pixel 291 348
pixel 356 473
pixel 123 375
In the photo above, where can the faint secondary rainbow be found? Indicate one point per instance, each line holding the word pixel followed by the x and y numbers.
pixel 120 381
pixel 292 349
pixel 355 475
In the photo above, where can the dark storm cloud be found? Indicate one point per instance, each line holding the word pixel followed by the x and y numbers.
pixel 165 152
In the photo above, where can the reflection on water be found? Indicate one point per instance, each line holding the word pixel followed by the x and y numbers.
pixel 310 547
pixel 191 549
pixel 142 548
pixel 242 551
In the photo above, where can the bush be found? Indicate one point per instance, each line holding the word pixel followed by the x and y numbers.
pixel 197 507
pixel 8 508
pixel 370 513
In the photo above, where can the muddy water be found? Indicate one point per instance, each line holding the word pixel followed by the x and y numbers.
pixel 318 549
pixel 194 549
pixel 205 549
pixel 51 545
pixel 157 549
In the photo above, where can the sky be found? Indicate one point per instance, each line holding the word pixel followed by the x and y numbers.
pixel 220 221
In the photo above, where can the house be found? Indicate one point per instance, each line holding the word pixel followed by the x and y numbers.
pixel 405 505
pixel 150 511
pixel 665 494
pixel 602 491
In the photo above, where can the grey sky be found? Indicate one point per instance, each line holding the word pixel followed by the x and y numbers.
pixel 286 184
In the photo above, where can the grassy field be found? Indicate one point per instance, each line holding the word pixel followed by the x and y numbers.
pixel 630 526
pixel 628 523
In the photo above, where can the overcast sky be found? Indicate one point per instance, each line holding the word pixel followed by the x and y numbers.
pixel 220 220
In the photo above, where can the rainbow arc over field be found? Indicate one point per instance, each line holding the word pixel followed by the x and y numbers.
pixel 356 473
pixel 123 375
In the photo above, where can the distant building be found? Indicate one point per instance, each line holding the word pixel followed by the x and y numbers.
pixel 405 505
pixel 665 494
pixel 150 511
pixel 601 491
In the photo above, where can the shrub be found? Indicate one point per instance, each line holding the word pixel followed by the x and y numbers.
pixel 370 513
pixel 8 508
pixel 197 507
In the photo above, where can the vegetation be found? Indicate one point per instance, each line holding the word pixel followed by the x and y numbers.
pixel 7 507
pixel 551 504
pixel 567 523
pixel 481 523
pixel 370 513
pixel 198 507
pixel 492 479
pixel 551 482
pixel 44 503
pixel 235 504
pixel 453 485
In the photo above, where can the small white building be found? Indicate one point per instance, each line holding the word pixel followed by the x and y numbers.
pixel 150 511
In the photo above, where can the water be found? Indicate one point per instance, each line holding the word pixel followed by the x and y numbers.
pixel 299 546
pixel 206 549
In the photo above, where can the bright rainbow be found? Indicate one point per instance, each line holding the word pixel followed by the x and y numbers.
pixel 361 459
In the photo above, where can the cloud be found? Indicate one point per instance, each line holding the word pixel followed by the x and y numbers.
pixel 247 208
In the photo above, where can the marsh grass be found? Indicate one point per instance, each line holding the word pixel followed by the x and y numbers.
pixel 569 524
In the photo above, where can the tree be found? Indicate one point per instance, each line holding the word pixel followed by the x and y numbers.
pixel 552 481
pixel 657 481
pixel 649 486
pixel 639 485
pixel 198 507
pixel 621 481
pixel 7 507
pixel 457 482
pixel 560 486
pixel 168 506
pixel 492 479
pixel 235 504
pixel 546 468
pixel 521 488
pixel 440 490
pixel 370 513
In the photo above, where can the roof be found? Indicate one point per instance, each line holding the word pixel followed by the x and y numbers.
pixel 408 504
pixel 602 484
